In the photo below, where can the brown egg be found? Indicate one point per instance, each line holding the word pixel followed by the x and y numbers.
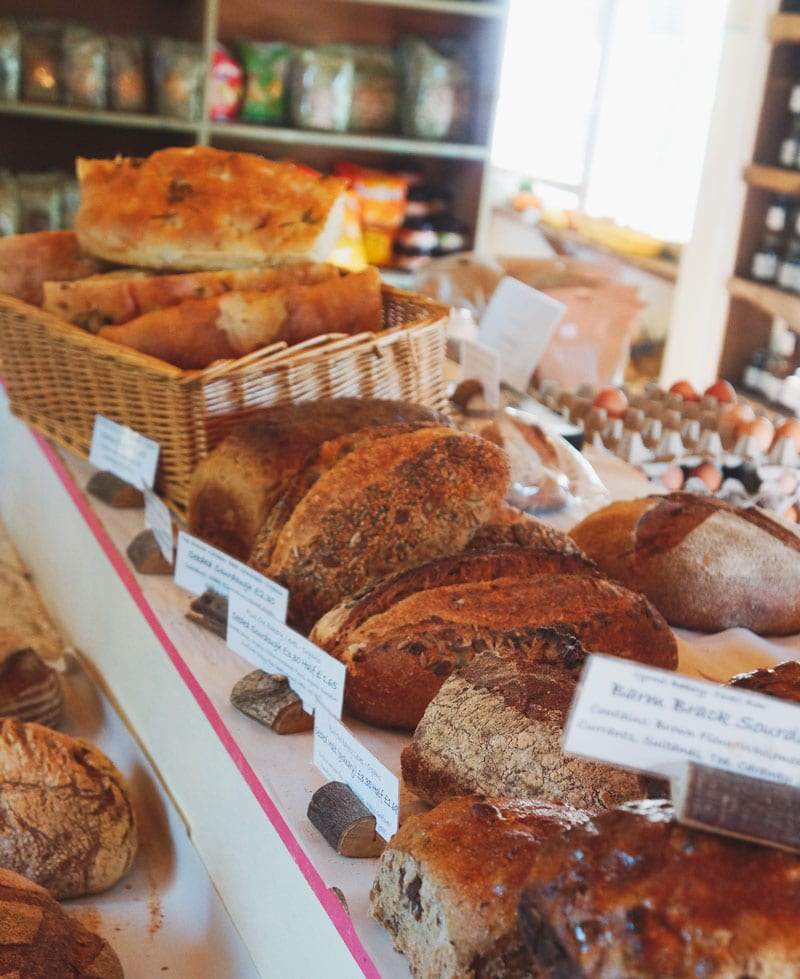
pixel 762 430
pixel 684 390
pixel 672 478
pixel 736 416
pixel 788 429
pixel 791 514
pixel 614 401
pixel 722 390
pixel 710 473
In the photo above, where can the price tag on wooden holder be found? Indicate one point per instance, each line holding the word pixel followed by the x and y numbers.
pixel 732 756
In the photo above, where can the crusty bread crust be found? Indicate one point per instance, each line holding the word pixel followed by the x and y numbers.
pixel 398 659
pixel 704 563
pixel 781 681
pixel 234 488
pixel 496 726
pixel 448 883
pixel 68 821
pixel 633 893
pixel 389 504
pixel 39 938
pixel 27 261
pixel 188 208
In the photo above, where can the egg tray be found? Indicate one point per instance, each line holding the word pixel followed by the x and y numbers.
pixel 735 450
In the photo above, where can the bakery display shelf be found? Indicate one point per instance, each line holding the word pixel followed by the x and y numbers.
pixel 775 179
pixel 101 117
pixel 398 145
pixel 462 8
pixel 776 302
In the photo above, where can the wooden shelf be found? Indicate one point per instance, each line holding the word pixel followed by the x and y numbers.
pixel 784 29
pixel 775 302
pixel 776 179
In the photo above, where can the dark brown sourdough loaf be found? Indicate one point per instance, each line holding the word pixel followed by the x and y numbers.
pixel 633 893
pixel 40 940
pixel 448 884
pixel 234 488
pixel 390 503
pixel 398 657
pixel 496 724
pixel 704 563
pixel 781 681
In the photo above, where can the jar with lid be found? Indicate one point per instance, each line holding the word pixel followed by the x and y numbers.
pixel 415 243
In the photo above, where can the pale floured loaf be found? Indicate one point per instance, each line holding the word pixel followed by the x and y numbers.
pixel 234 488
pixel 66 817
pixel 704 563
pixel 39 939
pixel 634 893
pixel 187 208
pixel 496 726
pixel 448 884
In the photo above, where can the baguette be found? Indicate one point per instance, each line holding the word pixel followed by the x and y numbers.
pixel 235 487
pixel 448 883
pixel 704 563
pixel 195 333
pixel 496 724
pixel 398 659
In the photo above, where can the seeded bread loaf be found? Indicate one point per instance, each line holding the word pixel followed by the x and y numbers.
pixel 704 563
pixel 234 488
pixel 66 818
pixel 633 893
pixel 398 659
pixel 40 940
pixel 390 504
pixel 448 884
pixel 496 724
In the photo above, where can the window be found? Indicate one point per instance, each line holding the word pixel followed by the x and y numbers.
pixel 609 100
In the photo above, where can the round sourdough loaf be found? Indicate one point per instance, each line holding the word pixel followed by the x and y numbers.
pixel 634 893
pixel 704 563
pixel 449 880
pixel 39 939
pixel 66 819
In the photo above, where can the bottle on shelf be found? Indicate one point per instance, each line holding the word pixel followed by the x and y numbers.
pixel 765 264
pixel 789 151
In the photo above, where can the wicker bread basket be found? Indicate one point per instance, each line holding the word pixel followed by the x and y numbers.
pixel 59 377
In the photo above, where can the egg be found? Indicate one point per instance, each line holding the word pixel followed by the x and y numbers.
pixel 789 429
pixel 684 390
pixel 761 429
pixel 672 478
pixel 612 400
pixel 722 390
pixel 791 514
pixel 709 473
pixel 736 416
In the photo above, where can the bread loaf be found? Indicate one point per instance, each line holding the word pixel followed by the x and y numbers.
pixel 197 207
pixel 234 488
pixel 66 818
pixel 510 525
pixel 27 261
pixel 398 659
pixel 496 725
pixel 30 689
pixel 704 563
pixel 448 884
pixel 781 681
pixel 122 295
pixel 633 893
pixel 389 504
pixel 196 332
pixel 40 940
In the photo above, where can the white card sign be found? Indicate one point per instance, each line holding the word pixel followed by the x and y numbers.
pixel 158 519
pixel 483 364
pixel 199 567
pixel 342 758
pixel 262 640
pixel 518 323
pixel 125 453
pixel 654 721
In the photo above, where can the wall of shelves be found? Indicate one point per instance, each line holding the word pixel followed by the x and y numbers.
pixel 42 136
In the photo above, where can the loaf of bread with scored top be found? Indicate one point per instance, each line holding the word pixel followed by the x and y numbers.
pixel 496 725
pixel 66 817
pixel 398 658
pixel 391 503
pixel 633 893
pixel 39 939
pixel 704 563
pixel 234 488
pixel 448 885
